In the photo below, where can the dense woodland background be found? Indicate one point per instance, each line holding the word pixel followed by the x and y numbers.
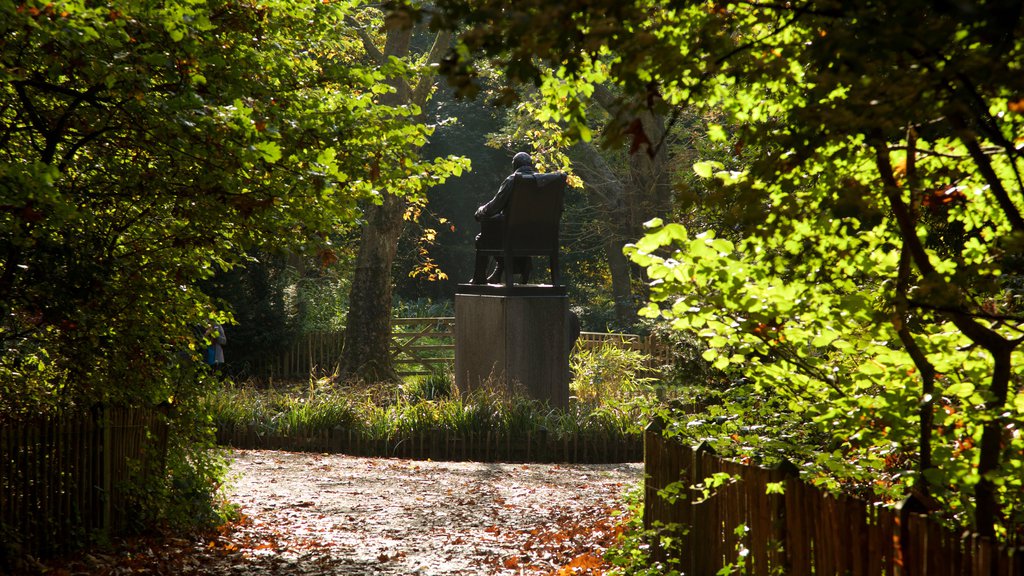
pixel 818 203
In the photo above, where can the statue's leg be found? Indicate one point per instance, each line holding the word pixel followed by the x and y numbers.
pixel 525 265
pixel 499 270
pixel 480 269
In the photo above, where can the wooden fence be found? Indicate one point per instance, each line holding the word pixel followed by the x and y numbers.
pixel 419 346
pixel 659 353
pixel 64 478
pixel 446 445
pixel 314 353
pixel 800 532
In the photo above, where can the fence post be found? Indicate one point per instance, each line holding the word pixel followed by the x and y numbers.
pixel 701 513
pixel 779 555
pixel 105 468
pixel 911 557
pixel 652 469
pixel 666 462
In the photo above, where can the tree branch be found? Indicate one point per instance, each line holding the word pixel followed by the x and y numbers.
pixel 441 44
pixel 371 48
pixel 902 213
pixel 991 178
pixel 34 117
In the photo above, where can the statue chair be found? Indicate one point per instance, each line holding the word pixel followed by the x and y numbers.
pixel 527 226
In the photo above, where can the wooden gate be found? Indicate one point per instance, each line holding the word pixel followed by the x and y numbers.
pixel 422 346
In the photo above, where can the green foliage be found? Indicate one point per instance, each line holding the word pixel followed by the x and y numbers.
pixel 147 147
pixel 184 495
pixel 863 267
pixel 608 372
pixel 320 407
pixel 190 496
pixel 614 386
pixel 424 308
pixel 435 386
pixel 385 412
pixel 635 553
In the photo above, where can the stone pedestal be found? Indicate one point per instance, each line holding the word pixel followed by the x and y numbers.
pixel 518 337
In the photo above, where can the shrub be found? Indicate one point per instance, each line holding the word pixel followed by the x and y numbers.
pixel 609 373
pixel 435 386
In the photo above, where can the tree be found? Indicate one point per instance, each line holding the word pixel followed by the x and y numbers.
pixel 878 269
pixel 145 146
pixel 367 346
pixel 140 153
pixel 643 193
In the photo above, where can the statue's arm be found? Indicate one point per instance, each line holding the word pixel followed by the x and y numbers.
pixel 497 204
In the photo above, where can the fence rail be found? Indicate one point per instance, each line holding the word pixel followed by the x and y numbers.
pixel 415 346
pixel 62 478
pixel 803 530
pixel 419 346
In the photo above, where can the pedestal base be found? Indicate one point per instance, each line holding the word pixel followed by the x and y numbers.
pixel 521 340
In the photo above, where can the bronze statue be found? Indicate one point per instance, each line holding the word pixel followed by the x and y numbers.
pixel 491 221
pixel 521 221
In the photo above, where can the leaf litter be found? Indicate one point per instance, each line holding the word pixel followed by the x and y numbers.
pixel 316 514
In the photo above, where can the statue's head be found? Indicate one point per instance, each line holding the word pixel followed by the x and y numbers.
pixel 521 159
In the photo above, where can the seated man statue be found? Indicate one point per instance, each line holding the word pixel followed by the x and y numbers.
pixel 491 218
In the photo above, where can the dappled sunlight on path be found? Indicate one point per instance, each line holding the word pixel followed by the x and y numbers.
pixel 318 514
pixel 375 516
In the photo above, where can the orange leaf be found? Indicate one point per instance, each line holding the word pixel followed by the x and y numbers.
pixel 585 561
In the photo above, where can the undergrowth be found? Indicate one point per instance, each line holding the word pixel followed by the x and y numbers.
pixel 611 395
pixel 637 551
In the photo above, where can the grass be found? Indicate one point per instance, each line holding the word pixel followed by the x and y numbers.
pixel 610 397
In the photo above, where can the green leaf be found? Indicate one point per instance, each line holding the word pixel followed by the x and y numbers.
pixel 269 151
pixel 707 168
pixel 960 390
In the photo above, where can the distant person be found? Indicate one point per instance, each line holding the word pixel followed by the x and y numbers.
pixel 492 218
pixel 215 351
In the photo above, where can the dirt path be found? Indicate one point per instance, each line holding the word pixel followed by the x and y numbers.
pixel 318 514
pixel 313 514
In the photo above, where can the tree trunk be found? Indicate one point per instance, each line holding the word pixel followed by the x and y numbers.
pixel 366 352
pixel 607 198
pixel 644 193
pixel 622 285
pixel 649 176
pixel 986 495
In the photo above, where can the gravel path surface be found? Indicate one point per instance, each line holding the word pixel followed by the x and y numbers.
pixel 318 514
pixel 388 517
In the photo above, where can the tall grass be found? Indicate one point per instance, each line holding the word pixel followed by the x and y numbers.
pixel 611 396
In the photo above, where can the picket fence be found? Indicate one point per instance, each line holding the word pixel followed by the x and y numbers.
pixel 420 346
pixel 447 445
pixel 63 479
pixel 800 532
